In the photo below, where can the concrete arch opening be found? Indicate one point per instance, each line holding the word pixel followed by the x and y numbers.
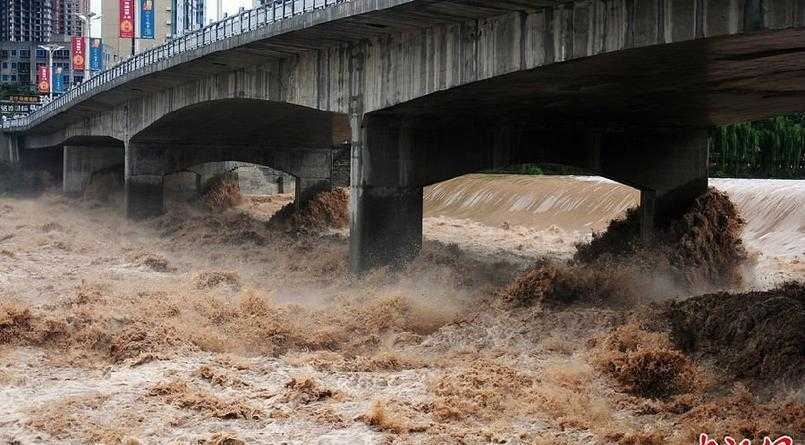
pixel 85 159
pixel 251 180
pixel 397 157
pixel 289 138
pixel 525 210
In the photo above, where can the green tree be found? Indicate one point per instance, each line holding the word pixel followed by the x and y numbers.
pixel 770 148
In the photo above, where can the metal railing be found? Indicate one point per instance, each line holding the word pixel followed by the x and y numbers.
pixel 246 21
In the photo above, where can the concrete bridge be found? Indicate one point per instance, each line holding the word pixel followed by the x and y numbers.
pixel 426 90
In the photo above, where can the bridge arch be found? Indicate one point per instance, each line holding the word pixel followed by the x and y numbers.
pixel 398 155
pixel 297 140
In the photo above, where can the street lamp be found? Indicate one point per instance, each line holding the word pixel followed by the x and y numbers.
pixel 50 47
pixel 87 20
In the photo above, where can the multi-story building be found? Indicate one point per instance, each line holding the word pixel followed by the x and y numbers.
pixel 25 20
pixel 18 62
pixel 119 48
pixel 65 21
pixel 188 15
pixel 26 24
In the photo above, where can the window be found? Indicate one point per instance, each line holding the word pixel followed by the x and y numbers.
pixel 5 65
pixel 13 65
pixel 5 78
pixel 13 78
pixel 24 54
pixel 40 54
pixel 13 53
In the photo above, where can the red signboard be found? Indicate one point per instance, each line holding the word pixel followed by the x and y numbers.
pixel 127 19
pixel 42 80
pixel 79 53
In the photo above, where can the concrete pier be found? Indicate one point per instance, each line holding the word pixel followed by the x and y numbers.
pixel 386 197
pixel 668 165
pixel 80 162
pixel 144 196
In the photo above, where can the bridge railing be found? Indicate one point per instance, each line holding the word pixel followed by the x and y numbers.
pixel 246 21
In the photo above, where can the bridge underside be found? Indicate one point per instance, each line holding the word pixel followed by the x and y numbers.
pixel 638 116
pixel 696 83
pixel 289 138
pixel 426 90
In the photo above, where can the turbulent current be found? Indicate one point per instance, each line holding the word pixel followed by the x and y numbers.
pixel 214 325
pixel 774 211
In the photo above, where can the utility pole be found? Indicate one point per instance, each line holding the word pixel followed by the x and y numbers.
pixel 86 20
pixel 50 47
pixel 134 29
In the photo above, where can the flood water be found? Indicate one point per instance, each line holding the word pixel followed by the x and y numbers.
pixel 200 327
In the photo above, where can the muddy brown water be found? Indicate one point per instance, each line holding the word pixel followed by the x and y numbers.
pixel 422 356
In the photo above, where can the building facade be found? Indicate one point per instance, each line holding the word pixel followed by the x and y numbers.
pixel 26 24
pixel 188 15
pixel 26 20
pixel 65 21
pixel 119 48
pixel 18 62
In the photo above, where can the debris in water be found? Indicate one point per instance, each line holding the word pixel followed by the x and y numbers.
pixel 222 439
pixel 218 376
pixel 550 283
pixel 389 420
pixel 645 363
pixel 328 209
pixel 700 250
pixel 304 390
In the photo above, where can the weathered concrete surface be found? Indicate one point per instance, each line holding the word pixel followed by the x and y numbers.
pixel 386 196
pixel 425 90
pixel 259 180
pixel 47 164
pixel 144 196
pixel 80 162
pixel 9 148
pixel 395 158
pixel 154 159
pixel 146 162
pixel 181 186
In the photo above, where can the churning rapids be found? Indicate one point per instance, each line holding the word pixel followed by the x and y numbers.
pixel 203 327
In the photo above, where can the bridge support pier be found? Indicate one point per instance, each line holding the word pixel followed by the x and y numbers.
pixel 386 200
pixel 145 168
pixel 669 166
pixel 10 149
pixel 144 196
pixel 80 162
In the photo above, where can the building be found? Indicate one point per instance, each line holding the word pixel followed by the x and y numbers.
pixel 40 20
pixel 65 21
pixel 26 20
pixel 18 62
pixel 188 15
pixel 26 24
pixel 119 48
